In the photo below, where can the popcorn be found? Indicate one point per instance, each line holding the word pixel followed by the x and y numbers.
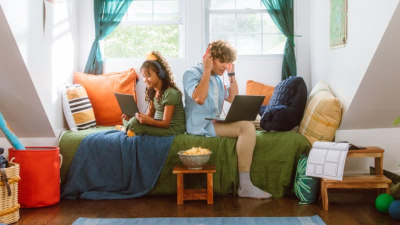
pixel 197 151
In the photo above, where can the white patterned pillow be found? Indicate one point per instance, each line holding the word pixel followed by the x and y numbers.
pixel 78 110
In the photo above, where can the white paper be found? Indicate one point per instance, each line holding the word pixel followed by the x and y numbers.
pixel 327 159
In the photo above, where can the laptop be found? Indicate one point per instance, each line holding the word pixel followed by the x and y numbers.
pixel 127 104
pixel 243 107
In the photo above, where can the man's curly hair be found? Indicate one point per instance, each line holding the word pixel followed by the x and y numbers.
pixel 223 51
pixel 168 81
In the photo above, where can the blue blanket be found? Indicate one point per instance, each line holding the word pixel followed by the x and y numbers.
pixel 111 165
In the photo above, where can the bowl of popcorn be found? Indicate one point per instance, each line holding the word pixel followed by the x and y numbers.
pixel 195 158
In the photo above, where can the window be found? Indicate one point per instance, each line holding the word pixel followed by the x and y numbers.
pixel 148 25
pixel 245 24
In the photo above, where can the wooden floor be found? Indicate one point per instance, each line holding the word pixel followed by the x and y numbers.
pixel 344 208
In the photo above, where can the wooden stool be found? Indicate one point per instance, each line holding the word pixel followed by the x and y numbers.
pixel 194 194
pixel 378 181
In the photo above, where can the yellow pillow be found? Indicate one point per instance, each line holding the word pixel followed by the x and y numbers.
pixel 78 110
pixel 322 115
pixel 256 88
pixel 101 89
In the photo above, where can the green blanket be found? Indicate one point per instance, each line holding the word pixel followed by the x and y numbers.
pixel 273 167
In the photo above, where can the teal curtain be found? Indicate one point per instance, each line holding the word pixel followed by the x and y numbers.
pixel 107 16
pixel 281 12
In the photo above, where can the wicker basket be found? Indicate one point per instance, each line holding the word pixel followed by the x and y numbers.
pixel 9 207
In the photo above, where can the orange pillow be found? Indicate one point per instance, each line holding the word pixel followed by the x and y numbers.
pixel 256 88
pixel 100 90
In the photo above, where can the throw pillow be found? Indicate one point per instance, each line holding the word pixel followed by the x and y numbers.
pixel 256 88
pixel 322 115
pixel 78 110
pixel 305 187
pixel 101 89
pixel 286 107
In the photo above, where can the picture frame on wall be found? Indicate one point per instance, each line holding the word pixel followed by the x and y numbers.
pixel 338 23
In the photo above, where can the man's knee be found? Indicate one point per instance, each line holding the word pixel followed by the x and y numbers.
pixel 247 127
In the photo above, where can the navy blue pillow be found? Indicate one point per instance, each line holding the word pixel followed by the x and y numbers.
pixel 286 107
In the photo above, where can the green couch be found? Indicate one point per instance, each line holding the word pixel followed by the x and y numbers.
pixel 273 167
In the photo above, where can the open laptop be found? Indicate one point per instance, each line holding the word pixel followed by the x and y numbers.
pixel 243 107
pixel 127 104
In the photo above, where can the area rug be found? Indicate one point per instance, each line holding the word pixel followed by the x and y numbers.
pixel 203 221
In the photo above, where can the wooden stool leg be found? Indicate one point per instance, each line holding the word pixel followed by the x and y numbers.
pixel 388 189
pixel 324 195
pixel 210 189
pixel 179 186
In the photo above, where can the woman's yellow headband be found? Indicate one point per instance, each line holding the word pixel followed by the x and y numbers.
pixel 152 58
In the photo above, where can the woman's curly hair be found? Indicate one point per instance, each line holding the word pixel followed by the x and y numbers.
pixel 168 81
pixel 223 51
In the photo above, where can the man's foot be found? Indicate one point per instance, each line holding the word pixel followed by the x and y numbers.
pixel 251 191
pixel 248 190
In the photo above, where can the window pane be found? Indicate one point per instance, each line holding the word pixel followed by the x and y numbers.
pixel 166 10
pixel 269 25
pixel 229 38
pixel 222 23
pixel 249 4
pixel 248 23
pixel 140 11
pixel 248 44
pixel 273 43
pixel 136 41
pixel 171 7
pixel 222 4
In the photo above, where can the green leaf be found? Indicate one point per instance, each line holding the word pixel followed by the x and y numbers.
pixel 396 121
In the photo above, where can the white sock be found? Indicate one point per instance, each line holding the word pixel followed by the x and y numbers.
pixel 247 189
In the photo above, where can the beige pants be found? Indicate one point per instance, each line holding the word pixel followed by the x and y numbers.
pixel 245 132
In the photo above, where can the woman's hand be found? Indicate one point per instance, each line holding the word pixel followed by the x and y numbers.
pixel 143 118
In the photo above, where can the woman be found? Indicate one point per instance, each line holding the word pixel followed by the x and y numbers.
pixel 165 115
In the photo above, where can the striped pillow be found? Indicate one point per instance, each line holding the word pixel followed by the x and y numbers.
pixel 322 115
pixel 77 108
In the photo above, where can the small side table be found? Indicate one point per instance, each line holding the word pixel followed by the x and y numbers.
pixel 194 194
pixel 377 181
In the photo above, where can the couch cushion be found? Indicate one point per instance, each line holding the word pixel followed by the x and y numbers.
pixel 78 110
pixel 322 115
pixel 286 107
pixel 256 88
pixel 101 89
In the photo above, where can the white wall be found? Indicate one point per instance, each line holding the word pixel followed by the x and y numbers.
pixel 50 57
pixel 345 69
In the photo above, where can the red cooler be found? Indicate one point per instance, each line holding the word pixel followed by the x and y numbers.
pixel 40 175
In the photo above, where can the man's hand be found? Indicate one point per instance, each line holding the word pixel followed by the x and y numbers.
pixel 208 62
pixel 231 68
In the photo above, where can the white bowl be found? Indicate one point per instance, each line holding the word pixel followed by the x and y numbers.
pixel 194 162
